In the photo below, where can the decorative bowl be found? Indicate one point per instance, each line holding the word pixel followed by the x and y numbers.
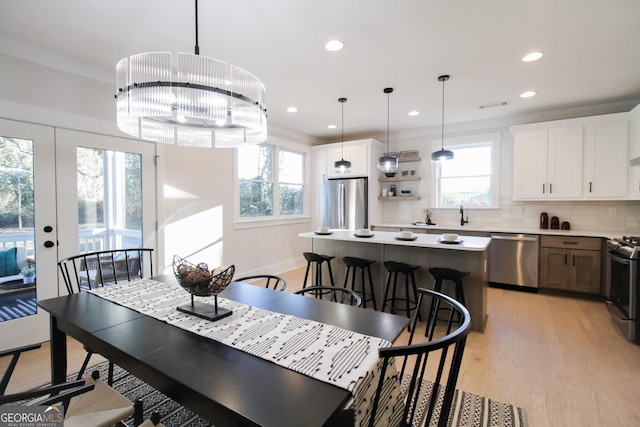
pixel 390 174
pixel 198 280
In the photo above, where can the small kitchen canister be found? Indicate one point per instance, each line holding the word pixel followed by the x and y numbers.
pixel 544 221
pixel 555 223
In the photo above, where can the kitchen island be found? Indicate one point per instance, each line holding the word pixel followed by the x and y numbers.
pixel 471 255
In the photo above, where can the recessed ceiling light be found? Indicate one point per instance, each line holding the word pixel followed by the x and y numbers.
pixel 332 126
pixel 533 56
pixel 414 113
pixel 334 45
pixel 527 94
pixel 292 109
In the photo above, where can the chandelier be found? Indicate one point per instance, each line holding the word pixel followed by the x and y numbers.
pixel 189 100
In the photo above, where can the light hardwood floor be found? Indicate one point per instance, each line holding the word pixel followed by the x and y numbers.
pixel 559 358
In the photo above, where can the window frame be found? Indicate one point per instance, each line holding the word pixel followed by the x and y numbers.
pixel 469 141
pixel 278 145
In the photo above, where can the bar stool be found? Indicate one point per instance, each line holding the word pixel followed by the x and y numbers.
pixel 394 268
pixel 441 274
pixel 318 260
pixel 362 265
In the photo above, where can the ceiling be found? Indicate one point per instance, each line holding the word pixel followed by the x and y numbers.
pixel 591 53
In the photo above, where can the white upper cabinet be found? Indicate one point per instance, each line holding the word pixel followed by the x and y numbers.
pixel 548 164
pixel 357 154
pixel 605 160
pixel 574 159
pixel 564 171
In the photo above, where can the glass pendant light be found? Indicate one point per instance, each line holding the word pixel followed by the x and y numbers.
pixel 441 155
pixel 342 166
pixel 388 164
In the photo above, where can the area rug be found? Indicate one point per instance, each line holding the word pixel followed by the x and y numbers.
pixel 469 410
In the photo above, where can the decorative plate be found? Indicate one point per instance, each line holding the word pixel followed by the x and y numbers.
pixel 406 239
pixel 364 235
pixel 452 242
pixel 320 233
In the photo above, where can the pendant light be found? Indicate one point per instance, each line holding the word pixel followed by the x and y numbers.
pixel 388 164
pixel 342 166
pixel 188 99
pixel 442 155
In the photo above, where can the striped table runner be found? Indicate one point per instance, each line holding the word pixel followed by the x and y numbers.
pixel 328 353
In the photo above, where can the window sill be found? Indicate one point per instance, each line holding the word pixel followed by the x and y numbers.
pixel 269 222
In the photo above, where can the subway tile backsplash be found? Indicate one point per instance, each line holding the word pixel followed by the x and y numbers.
pixel 617 216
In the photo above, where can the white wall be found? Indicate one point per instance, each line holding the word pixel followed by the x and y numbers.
pixel 195 186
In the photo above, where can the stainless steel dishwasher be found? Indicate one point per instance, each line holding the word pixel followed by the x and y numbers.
pixel 514 259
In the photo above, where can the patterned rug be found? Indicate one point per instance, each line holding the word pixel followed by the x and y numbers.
pixel 469 410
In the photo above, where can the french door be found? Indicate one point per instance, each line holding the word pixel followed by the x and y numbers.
pixel 66 192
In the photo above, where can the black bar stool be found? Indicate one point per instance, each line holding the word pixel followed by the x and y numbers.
pixel 441 274
pixel 362 265
pixel 394 268
pixel 318 260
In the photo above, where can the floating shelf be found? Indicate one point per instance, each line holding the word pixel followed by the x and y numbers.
pixel 399 178
pixel 409 159
pixel 398 198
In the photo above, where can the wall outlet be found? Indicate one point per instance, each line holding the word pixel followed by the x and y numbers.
pixel 528 210
pixel 613 211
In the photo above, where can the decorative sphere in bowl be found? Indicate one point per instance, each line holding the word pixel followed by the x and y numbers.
pixel 198 280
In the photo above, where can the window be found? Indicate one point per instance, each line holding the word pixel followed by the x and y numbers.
pixel 471 178
pixel 271 182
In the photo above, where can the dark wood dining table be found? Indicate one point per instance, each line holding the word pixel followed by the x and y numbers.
pixel 224 385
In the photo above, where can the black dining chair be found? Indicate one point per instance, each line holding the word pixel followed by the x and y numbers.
pixel 84 402
pixel 430 366
pixel 270 281
pixel 103 268
pixel 341 295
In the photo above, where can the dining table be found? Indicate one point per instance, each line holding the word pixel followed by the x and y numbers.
pixel 224 385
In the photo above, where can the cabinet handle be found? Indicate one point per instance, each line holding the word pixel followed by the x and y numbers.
pixel 574 260
pixel 543 188
pixel 550 188
pixel 590 186
pixel 565 259
pixel 569 243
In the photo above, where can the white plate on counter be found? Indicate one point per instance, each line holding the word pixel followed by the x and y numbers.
pixel 406 239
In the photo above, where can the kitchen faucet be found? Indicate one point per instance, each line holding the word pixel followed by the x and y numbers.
pixel 462 220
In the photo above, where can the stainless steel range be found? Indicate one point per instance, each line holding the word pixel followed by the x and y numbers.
pixel 623 291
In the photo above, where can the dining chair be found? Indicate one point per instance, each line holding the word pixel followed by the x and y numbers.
pixel 269 280
pixel 341 295
pixel 85 402
pixel 442 347
pixel 103 268
pixel 153 421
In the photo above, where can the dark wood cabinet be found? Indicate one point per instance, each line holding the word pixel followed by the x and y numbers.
pixel 570 263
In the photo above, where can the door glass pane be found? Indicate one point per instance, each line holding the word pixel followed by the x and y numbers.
pixel 109 199
pixel 17 249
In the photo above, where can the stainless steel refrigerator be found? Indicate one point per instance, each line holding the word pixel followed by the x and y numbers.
pixel 346 203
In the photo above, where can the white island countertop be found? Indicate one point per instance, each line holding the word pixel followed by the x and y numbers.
pixel 469 243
